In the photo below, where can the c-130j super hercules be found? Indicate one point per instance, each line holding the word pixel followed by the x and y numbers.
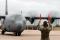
pixel 16 23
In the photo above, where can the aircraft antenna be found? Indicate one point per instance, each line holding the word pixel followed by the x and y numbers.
pixel 21 11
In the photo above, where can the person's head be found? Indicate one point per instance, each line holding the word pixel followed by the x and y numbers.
pixel 45 24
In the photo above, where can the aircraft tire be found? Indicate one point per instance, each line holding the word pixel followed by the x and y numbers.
pixel 19 33
pixel 15 33
pixel 3 31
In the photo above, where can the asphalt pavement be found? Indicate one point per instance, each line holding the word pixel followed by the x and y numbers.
pixel 29 35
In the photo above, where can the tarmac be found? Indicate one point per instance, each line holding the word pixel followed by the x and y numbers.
pixel 29 35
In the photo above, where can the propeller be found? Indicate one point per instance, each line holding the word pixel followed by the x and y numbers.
pixel 30 19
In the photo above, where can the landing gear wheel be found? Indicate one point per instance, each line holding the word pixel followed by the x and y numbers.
pixel 3 31
pixel 16 34
pixel 19 33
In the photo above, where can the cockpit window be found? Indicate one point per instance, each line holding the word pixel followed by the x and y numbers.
pixel 17 17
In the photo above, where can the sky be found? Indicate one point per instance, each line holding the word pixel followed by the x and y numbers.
pixel 31 7
pixel 37 7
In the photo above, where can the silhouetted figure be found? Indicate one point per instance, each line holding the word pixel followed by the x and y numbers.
pixel 45 30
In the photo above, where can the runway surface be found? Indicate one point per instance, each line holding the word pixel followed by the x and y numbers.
pixel 29 35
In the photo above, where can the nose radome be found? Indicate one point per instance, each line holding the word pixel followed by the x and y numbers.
pixel 19 23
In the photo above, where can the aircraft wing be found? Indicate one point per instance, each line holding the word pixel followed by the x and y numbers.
pixel 31 19
pixel 2 17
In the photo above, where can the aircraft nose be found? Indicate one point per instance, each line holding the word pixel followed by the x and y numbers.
pixel 18 27
pixel 19 23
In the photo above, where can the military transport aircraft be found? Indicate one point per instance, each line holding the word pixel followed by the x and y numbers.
pixel 16 23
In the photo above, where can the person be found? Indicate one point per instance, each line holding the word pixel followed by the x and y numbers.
pixel 45 30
